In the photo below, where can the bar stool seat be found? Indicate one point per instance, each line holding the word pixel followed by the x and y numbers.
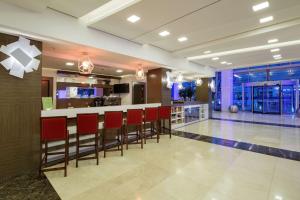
pixel 134 118
pixel 87 124
pixel 151 117
pixel 113 120
pixel 53 129
pixel 164 114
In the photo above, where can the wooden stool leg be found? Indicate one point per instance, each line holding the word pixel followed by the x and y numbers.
pixel 66 156
pixel 41 158
pixel 145 137
pixel 126 136
pixel 170 132
pixel 77 149
pixel 122 140
pixel 97 147
pixel 104 143
pixel 46 151
pixel 141 136
pixel 157 132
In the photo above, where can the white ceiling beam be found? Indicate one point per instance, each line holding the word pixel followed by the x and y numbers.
pixel 106 10
pixel 255 32
pixel 246 50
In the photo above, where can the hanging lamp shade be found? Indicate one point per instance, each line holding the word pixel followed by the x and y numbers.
pixel 140 73
pixel 85 65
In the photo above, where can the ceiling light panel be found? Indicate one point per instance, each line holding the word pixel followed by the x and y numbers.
pixel 266 19
pixel 164 33
pixel 207 52
pixel 275 50
pixel 215 58
pixel 260 6
pixel 277 56
pixel 182 39
pixel 273 41
pixel 133 18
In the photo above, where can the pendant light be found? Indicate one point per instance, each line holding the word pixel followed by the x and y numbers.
pixel 140 73
pixel 85 65
pixel 199 81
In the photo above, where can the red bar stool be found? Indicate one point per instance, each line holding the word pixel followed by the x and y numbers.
pixel 164 113
pixel 151 116
pixel 53 129
pixel 134 118
pixel 113 120
pixel 87 124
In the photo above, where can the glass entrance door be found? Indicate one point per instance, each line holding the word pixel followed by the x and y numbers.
pixel 288 99
pixel 248 98
pixel 272 103
pixel 258 99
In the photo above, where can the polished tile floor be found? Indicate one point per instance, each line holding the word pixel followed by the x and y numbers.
pixel 183 169
pixel 272 136
pixel 255 117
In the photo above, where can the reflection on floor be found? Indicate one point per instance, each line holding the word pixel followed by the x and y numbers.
pixel 254 117
pixel 272 136
pixel 181 169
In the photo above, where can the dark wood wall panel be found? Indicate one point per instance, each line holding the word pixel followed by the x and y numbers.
pixel 20 110
pixel 157 91
pixel 203 91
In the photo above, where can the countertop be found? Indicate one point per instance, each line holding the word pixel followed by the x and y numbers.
pixel 72 112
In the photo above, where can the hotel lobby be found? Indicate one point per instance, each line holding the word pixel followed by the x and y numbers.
pixel 150 100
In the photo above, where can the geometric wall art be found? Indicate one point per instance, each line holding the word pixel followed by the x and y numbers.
pixel 21 57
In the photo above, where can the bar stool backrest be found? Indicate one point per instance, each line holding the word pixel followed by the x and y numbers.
pixel 151 114
pixel 113 119
pixel 87 123
pixel 53 128
pixel 134 117
pixel 164 112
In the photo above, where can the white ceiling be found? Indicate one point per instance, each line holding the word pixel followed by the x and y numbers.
pixel 214 25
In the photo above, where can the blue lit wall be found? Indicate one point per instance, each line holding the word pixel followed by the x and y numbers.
pixel 243 89
pixel 272 72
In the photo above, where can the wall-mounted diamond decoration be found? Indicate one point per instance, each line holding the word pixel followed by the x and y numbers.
pixel 21 57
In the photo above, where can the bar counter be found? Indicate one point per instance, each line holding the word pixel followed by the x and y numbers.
pixel 72 112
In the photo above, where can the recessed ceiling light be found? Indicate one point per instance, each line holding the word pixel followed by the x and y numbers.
pixel 215 58
pixel 223 63
pixel 260 6
pixel 207 52
pixel 275 50
pixel 164 33
pixel 69 63
pixel 276 56
pixel 133 18
pixel 266 19
pixel 228 63
pixel 91 77
pixel 182 39
pixel 119 71
pixel 272 41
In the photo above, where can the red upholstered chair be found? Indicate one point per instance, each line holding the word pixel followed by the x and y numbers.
pixel 53 129
pixel 134 118
pixel 164 114
pixel 151 116
pixel 87 124
pixel 113 120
